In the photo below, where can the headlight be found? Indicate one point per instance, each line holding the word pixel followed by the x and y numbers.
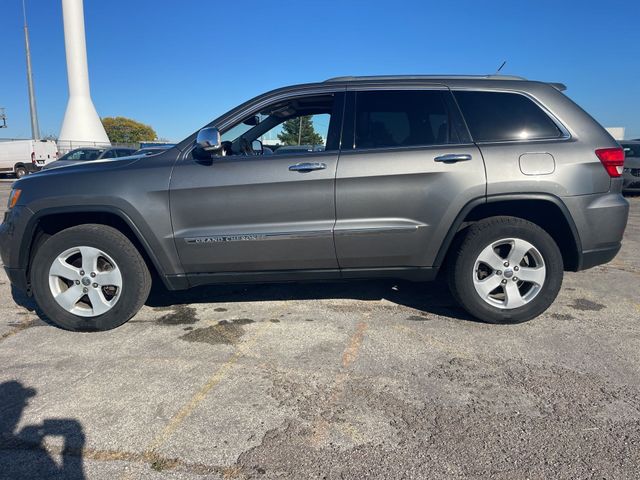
pixel 13 197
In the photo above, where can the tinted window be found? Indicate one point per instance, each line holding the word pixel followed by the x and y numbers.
pixel 82 154
pixel 631 149
pixel 125 152
pixel 497 116
pixel 402 119
pixel 109 154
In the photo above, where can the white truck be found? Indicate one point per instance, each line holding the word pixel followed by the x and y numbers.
pixel 20 157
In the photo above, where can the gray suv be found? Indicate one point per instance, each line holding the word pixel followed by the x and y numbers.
pixel 499 182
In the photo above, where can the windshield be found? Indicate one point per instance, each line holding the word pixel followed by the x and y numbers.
pixel 81 154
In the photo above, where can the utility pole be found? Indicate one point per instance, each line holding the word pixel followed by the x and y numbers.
pixel 35 129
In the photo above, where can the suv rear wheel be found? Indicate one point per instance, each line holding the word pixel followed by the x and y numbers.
pixel 89 278
pixel 506 270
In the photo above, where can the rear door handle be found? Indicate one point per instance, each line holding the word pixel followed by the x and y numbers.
pixel 453 157
pixel 307 166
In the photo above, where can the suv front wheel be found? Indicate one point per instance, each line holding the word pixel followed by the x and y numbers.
pixel 89 278
pixel 506 270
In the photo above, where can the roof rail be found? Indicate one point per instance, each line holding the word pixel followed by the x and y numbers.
pixel 421 77
pixel 558 86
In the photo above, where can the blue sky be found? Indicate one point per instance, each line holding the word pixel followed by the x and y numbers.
pixel 178 64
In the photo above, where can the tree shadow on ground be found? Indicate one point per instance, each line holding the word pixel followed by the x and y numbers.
pixel 22 451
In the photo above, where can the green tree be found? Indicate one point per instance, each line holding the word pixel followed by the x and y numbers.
pixel 299 131
pixel 125 130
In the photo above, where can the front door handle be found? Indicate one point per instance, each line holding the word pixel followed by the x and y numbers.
pixel 307 166
pixel 453 157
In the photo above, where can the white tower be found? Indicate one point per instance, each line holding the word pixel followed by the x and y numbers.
pixel 81 122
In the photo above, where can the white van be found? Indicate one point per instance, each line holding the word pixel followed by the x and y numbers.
pixel 21 157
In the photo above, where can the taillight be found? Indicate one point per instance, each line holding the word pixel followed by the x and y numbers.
pixel 612 159
pixel 33 157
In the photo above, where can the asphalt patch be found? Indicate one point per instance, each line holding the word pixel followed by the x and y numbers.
pixel 587 305
pixel 417 318
pixel 181 315
pixel 226 332
pixel 220 309
pixel 562 316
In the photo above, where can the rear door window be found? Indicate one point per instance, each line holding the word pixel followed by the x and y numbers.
pixel 502 116
pixel 403 118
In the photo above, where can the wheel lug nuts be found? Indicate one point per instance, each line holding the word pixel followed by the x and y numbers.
pixel 515 279
pixel 498 272
pixel 504 281
pixel 85 290
pixel 516 268
pixel 93 274
pixel 95 285
pixel 81 272
pixel 506 264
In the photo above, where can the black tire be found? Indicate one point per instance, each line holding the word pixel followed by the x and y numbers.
pixel 20 171
pixel 136 280
pixel 483 233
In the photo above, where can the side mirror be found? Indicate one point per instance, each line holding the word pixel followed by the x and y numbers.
pixel 208 139
pixel 257 147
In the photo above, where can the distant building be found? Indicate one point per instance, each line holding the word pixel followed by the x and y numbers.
pixel 616 132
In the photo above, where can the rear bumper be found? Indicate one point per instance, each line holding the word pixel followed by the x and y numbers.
pixel 593 258
pixel 600 221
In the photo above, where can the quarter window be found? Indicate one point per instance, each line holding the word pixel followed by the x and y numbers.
pixel 403 118
pixel 500 116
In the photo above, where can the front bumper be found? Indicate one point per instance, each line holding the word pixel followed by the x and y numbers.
pixel 13 250
pixel 18 278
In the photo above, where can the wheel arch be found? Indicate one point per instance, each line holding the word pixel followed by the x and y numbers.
pixel 53 220
pixel 545 210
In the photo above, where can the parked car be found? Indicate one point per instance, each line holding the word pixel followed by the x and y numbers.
pixel 500 182
pixel 20 157
pixel 88 154
pixel 631 172
pixel 150 150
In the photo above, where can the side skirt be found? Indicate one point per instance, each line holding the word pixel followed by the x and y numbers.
pixel 416 274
